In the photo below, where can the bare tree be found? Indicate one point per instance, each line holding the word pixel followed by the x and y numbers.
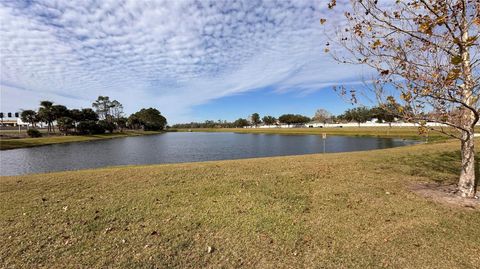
pixel 116 110
pixel 426 53
pixel 322 115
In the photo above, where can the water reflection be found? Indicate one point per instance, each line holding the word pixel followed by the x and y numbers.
pixel 177 147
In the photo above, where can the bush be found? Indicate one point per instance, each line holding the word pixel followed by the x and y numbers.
pixel 89 127
pixel 34 133
pixel 107 125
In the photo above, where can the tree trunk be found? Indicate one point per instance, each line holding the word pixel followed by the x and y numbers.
pixel 467 184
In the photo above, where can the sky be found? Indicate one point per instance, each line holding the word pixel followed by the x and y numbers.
pixel 192 60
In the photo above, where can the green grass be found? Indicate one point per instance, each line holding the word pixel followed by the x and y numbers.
pixel 14 143
pixel 402 132
pixel 345 210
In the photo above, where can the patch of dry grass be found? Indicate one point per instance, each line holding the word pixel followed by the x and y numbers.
pixel 346 210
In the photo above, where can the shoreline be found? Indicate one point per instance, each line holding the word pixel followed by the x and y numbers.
pixel 17 143
pixel 380 132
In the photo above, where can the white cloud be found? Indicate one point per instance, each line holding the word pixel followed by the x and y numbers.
pixel 168 54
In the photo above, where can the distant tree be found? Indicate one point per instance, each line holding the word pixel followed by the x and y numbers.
pixel 60 111
pixel 151 119
pixel 116 109
pixel 358 114
pixel 46 114
pixel 293 119
pixel 240 123
pixel 255 118
pixel 209 124
pixel 65 124
pixel 133 122
pixel 102 106
pixel 269 120
pixel 322 115
pixel 89 127
pixel 107 125
pixel 383 114
pixel 89 114
pixel 121 123
pixel 76 115
pixel 30 117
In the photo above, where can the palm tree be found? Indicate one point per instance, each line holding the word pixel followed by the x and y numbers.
pixel 46 114
pixel 29 116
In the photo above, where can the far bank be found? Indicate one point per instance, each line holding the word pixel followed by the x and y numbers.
pixel 382 132
pixel 14 143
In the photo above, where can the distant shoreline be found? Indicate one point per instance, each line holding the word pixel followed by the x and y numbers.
pixel 382 132
pixel 16 143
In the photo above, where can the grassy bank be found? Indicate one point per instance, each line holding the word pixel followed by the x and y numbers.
pixel 48 140
pixel 398 132
pixel 346 210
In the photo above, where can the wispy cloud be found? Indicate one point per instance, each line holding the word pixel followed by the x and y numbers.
pixel 169 54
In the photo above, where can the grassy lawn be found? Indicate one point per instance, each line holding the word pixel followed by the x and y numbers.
pixel 48 140
pixel 345 210
pixel 403 132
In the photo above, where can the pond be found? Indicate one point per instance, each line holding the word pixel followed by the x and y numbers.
pixel 176 148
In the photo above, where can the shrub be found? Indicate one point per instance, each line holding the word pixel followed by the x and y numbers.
pixel 89 127
pixel 107 125
pixel 34 133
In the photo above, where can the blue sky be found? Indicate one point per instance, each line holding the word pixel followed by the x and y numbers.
pixel 268 102
pixel 193 60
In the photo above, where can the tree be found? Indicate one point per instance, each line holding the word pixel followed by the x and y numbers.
pixel 427 55
pixel 322 115
pixel 255 118
pixel 30 117
pixel 89 114
pixel 134 122
pixel 293 119
pixel 107 125
pixel 269 120
pixel 121 123
pixel 76 115
pixel 65 124
pixel 151 119
pixel 60 111
pixel 89 127
pixel 102 106
pixel 357 114
pixel 46 114
pixel 116 109
pixel 240 123
pixel 383 114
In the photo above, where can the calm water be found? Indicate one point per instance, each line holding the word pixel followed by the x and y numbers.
pixel 177 147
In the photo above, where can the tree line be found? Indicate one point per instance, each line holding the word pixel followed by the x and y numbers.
pixel 358 114
pixel 105 116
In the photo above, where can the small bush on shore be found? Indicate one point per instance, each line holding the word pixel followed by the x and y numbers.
pixel 34 133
